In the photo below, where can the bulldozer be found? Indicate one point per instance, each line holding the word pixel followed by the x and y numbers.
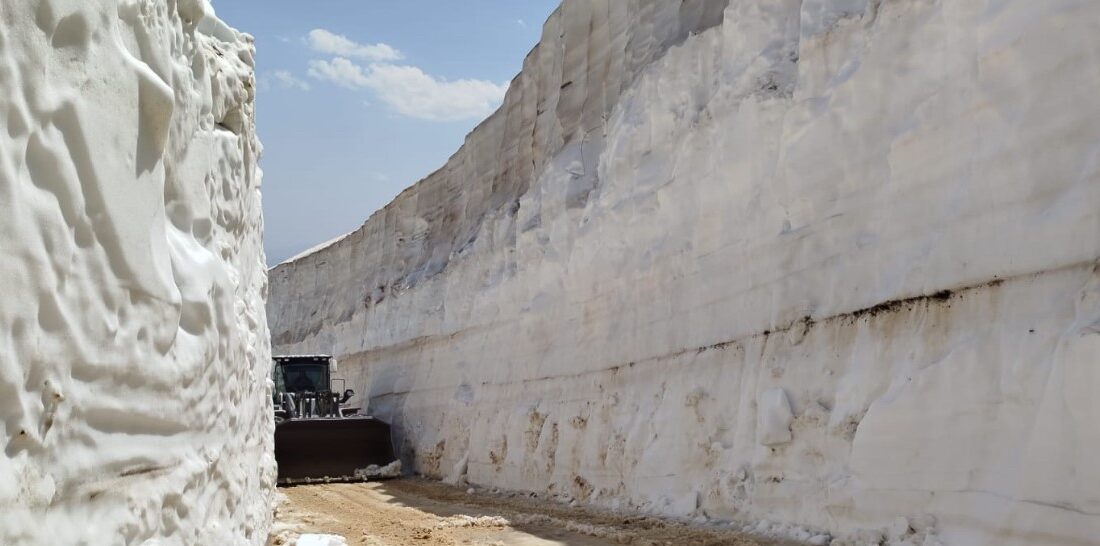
pixel 318 438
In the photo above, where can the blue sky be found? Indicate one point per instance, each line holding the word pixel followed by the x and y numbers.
pixel 359 99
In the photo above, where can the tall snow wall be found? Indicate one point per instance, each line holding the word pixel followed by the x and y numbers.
pixel 823 262
pixel 134 350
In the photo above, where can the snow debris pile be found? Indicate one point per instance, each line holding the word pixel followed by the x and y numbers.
pixel 462 520
pixel 392 470
pixel 134 351
pixel 825 263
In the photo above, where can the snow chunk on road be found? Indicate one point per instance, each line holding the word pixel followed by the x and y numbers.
pixel 321 540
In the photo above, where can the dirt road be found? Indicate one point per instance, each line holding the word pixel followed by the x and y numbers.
pixel 426 513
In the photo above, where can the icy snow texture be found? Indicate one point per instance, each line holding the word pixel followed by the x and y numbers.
pixel 134 351
pixel 889 210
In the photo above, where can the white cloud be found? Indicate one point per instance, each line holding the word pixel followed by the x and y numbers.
pixel 411 92
pixel 286 80
pixel 323 41
pixel 340 71
pixel 521 23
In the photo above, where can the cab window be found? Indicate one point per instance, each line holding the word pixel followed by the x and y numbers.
pixel 304 377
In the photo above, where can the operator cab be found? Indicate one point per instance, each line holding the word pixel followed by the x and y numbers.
pixel 307 374
pixel 304 386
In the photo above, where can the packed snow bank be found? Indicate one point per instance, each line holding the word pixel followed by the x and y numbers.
pixel 134 353
pixel 889 212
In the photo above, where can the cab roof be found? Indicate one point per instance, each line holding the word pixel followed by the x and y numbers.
pixel 311 358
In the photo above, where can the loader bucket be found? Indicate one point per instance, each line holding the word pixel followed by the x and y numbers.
pixel 330 449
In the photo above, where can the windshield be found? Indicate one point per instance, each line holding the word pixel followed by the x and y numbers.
pixel 305 377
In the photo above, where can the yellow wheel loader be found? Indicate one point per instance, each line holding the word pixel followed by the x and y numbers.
pixel 317 437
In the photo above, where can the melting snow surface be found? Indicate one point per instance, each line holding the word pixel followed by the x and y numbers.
pixel 134 353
